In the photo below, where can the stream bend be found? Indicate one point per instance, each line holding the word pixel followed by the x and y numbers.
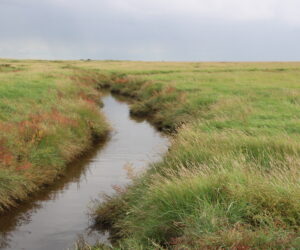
pixel 55 217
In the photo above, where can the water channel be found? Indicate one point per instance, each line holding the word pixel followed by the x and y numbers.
pixel 55 217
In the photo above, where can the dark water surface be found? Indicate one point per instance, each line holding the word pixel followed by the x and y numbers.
pixel 55 217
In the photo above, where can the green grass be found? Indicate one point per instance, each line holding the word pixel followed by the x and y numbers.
pixel 231 177
pixel 47 119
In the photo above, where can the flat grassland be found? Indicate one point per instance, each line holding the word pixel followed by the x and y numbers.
pixel 230 178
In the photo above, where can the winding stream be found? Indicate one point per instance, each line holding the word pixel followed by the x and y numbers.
pixel 54 218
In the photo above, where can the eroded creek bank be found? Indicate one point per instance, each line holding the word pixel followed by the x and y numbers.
pixel 55 217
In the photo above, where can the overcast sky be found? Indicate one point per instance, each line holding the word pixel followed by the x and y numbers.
pixel 170 30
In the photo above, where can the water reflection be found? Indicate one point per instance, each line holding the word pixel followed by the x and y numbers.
pixel 54 217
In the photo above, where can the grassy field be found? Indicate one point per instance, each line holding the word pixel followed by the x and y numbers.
pixel 230 178
pixel 48 117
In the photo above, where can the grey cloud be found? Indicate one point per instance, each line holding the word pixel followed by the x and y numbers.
pixel 63 29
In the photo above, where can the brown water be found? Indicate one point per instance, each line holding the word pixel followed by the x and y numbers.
pixel 55 217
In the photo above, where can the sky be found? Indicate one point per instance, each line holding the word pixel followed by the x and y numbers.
pixel 151 30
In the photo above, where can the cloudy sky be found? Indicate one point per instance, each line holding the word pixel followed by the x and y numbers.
pixel 177 30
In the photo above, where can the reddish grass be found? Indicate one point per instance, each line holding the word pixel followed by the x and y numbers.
pixel 6 157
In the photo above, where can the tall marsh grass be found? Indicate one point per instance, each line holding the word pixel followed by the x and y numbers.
pixel 231 176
